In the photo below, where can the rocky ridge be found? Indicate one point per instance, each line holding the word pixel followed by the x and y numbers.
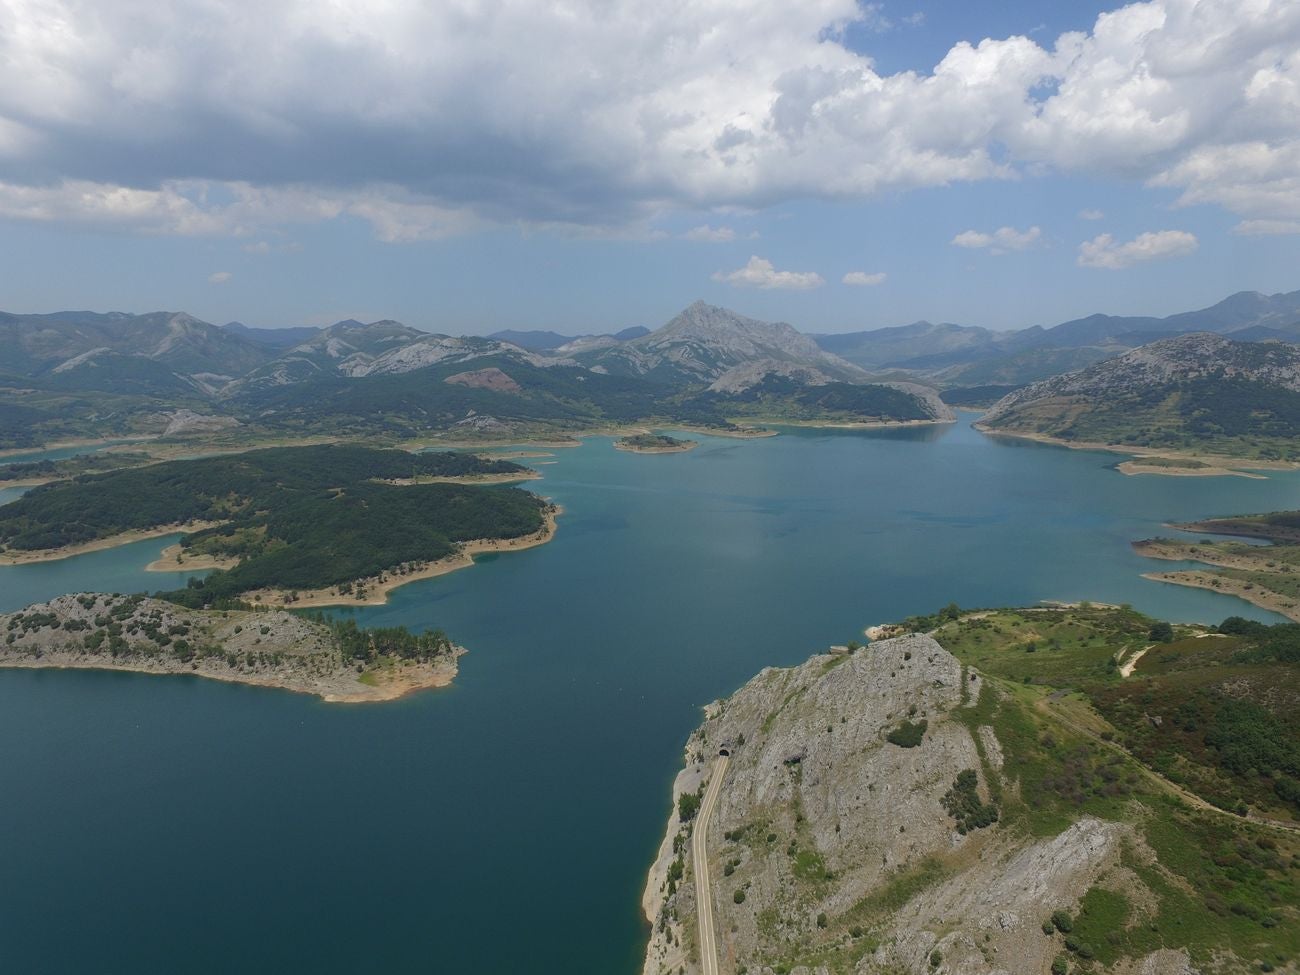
pixel 1199 355
pixel 830 847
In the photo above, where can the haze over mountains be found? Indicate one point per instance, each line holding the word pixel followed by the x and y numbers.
pixel 970 356
pixel 81 372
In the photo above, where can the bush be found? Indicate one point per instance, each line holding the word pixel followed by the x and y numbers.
pixel 908 734
pixel 1060 965
pixel 936 957
pixel 739 895
pixel 1062 922
pixel 821 920
pixel 962 802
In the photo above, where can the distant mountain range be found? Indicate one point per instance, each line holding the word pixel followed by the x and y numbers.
pixel 964 355
pixel 91 374
pixel 538 341
pixel 83 374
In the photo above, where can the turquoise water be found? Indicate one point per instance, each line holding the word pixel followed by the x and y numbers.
pixel 504 825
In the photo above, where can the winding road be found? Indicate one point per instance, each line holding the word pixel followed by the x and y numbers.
pixel 700 855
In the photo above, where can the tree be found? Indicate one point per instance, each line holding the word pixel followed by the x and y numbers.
pixel 688 804
pixel 1161 632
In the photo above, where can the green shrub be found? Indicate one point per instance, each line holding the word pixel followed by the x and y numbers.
pixel 908 734
pixel 688 804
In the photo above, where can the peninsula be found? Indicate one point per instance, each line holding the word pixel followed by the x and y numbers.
pixel 281 521
pixel 335 661
pixel 1068 789
pixel 1268 576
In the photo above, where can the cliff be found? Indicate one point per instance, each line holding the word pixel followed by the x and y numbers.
pixel 879 812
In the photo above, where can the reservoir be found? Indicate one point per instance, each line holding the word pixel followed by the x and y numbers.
pixel 504 825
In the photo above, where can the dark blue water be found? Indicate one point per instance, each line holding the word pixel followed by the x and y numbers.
pixel 504 825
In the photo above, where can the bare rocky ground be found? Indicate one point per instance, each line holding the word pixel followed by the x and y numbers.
pixel 268 648
pixel 831 849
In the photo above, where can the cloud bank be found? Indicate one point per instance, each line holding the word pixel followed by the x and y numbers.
pixel 427 120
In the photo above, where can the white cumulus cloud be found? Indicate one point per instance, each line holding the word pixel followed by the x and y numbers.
pixel 759 273
pixel 1091 215
pixel 1001 241
pixel 1257 228
pixel 862 279
pixel 1104 252
pixel 712 235
pixel 219 277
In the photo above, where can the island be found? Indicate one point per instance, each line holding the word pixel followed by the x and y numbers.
pixel 334 660
pixel 654 443
pixel 1267 576
pixel 1181 466
pixel 1054 788
pixel 327 524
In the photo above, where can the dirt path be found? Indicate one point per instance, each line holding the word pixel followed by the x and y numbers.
pixel 1126 668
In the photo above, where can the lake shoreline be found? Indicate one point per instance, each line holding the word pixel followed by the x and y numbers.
pixel 341 687
pixel 147 635
pixel 1219 464
pixel 376 593
pixel 21 557
pixel 1261 598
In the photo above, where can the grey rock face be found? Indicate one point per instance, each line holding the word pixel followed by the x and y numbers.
pixel 1186 357
pixel 820 813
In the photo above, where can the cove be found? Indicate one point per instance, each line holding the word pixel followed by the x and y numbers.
pixel 504 825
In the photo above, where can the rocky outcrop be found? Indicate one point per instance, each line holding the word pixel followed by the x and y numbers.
pixel 272 648
pixel 831 849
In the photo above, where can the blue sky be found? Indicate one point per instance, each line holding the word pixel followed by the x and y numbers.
pixel 605 166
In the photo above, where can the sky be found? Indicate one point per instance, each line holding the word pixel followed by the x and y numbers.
pixel 586 165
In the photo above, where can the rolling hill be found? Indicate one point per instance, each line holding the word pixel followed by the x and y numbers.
pixel 1199 392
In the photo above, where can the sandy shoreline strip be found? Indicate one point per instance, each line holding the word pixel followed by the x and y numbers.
pixel 1223 463
pixel 528 474
pixel 174 558
pixel 100 544
pixel 1135 467
pixel 340 687
pixel 1263 598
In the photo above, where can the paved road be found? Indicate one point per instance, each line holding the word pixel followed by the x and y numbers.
pixel 700 853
